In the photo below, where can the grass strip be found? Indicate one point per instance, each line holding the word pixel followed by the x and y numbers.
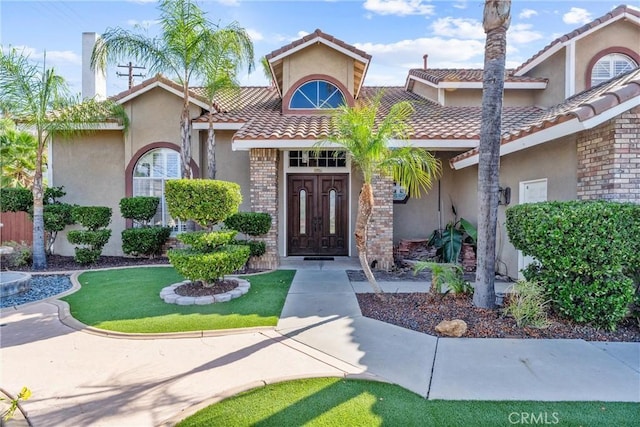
pixel 127 300
pixel 338 402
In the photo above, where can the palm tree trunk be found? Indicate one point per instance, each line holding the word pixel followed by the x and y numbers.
pixel 365 208
pixel 38 249
pixel 496 21
pixel 211 152
pixel 185 136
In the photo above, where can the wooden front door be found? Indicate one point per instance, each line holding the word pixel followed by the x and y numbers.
pixel 317 222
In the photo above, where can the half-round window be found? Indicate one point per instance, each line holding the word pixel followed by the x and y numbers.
pixel 149 176
pixel 610 66
pixel 316 95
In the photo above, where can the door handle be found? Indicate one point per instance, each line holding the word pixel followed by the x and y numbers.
pixel 317 223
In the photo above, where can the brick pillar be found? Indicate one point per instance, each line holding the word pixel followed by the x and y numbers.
pixel 263 168
pixel 609 160
pixel 380 232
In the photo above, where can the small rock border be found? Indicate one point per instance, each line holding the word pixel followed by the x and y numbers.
pixel 169 295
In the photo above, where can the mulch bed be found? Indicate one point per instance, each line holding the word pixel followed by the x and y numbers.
pixel 197 289
pixel 423 311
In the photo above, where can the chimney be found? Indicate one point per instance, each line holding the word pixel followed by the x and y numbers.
pixel 94 82
pixel 424 58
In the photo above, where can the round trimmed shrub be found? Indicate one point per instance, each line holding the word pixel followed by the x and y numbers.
pixel 92 217
pixel 208 267
pixel 207 241
pixel 147 241
pixel 93 240
pixel 140 208
pixel 249 223
pixel 205 201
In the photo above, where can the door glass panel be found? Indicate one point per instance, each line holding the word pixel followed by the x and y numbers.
pixel 303 211
pixel 332 212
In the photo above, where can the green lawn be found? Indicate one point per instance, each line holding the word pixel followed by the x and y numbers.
pixel 338 402
pixel 127 300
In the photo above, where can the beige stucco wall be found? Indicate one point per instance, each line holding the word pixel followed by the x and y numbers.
pixel 425 91
pixel 230 165
pixel 472 97
pixel 552 69
pixel 556 161
pixel 90 169
pixel 620 34
pixel 318 59
pixel 155 117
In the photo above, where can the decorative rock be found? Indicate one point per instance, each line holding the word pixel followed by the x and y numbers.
pixel 452 328
pixel 168 294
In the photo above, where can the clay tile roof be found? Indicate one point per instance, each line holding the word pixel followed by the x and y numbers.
pixel 438 75
pixel 596 22
pixel 154 80
pixel 582 106
pixel 315 34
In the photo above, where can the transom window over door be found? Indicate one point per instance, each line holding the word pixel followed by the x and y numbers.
pixel 149 176
pixel 610 66
pixel 316 95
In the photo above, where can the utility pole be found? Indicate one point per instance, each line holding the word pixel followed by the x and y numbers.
pixel 130 74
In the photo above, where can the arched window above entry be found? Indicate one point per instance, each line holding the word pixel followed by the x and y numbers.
pixel 316 95
pixel 150 173
pixel 610 66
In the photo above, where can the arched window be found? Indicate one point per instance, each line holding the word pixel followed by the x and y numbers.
pixel 610 66
pixel 150 173
pixel 315 95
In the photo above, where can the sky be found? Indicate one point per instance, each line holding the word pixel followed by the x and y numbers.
pixel 396 33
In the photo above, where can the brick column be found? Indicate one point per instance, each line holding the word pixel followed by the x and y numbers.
pixel 263 169
pixel 380 232
pixel 609 160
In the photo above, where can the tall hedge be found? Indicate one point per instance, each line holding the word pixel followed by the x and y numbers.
pixel 204 201
pixel 587 253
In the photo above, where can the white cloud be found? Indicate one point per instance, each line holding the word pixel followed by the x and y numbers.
pixel 63 57
pixel 407 54
pixel 229 2
pixel 458 27
pixel 255 35
pixel 522 33
pixel 527 13
pixel 577 16
pixel 461 4
pixel 399 7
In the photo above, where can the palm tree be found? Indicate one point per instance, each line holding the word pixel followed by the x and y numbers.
pixel 496 21
pixel 17 155
pixel 39 100
pixel 365 136
pixel 231 49
pixel 182 50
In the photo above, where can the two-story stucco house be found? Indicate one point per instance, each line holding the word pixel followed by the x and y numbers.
pixel 571 130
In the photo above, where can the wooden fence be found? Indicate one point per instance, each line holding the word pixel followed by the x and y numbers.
pixel 16 227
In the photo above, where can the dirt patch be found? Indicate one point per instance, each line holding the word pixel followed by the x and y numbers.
pixel 197 289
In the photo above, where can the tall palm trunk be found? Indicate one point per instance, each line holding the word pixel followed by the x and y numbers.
pixel 365 209
pixel 496 21
pixel 185 138
pixel 38 248
pixel 211 150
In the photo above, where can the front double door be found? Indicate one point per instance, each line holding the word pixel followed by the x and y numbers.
pixel 318 211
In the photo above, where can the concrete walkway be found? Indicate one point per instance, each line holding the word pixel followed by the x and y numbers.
pixel 87 379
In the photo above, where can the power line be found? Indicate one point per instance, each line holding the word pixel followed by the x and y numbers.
pixel 130 74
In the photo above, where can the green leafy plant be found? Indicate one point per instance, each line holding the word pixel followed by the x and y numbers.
pixel 527 305
pixel 20 257
pixel 140 209
pixel 448 242
pixel 249 223
pixel 587 253
pixel 16 199
pixel 205 201
pixel 24 394
pixel 207 241
pixel 256 248
pixel 208 267
pixel 94 218
pixel 445 274
pixel 144 241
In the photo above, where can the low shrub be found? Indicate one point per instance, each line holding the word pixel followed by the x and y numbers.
pixel 527 305
pixel 257 248
pixel 249 223
pixel 86 256
pixel 147 241
pixel 208 267
pixel 207 241
pixel 445 274
pixel 17 199
pixel 20 257
pixel 92 217
pixel 140 209
pixel 587 251
pixel 57 217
